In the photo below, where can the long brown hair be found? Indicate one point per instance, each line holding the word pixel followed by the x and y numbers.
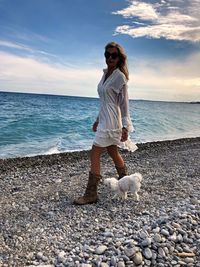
pixel 122 64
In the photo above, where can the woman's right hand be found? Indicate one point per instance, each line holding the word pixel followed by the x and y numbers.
pixel 95 125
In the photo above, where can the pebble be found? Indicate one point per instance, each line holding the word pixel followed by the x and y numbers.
pixel 108 234
pixel 130 251
pixel 50 231
pixel 147 253
pixel 161 252
pixel 113 261
pixel 100 250
pixel 189 260
pixel 121 264
pixel 176 225
pixel 138 258
pixel 157 238
pixel 164 232
pixel 146 242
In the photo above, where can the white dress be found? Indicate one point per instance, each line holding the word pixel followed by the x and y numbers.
pixel 114 111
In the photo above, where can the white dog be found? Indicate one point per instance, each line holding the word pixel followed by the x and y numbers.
pixel 128 183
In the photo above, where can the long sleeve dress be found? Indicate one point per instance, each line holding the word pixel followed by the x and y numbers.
pixel 114 111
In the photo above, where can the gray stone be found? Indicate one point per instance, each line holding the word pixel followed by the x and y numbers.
pixel 143 235
pixel 147 263
pixel 146 242
pixel 39 255
pixel 161 252
pixel 120 264
pixel 157 238
pixel 104 264
pixel 138 258
pixel 125 258
pixel 118 244
pixel 108 234
pixel 164 232
pixel 180 238
pixel 113 261
pixel 147 253
pixel 189 260
pixel 156 230
pixel 130 252
pixel 172 237
pixel 182 263
pixel 100 250
pixel 61 256
pixel 176 225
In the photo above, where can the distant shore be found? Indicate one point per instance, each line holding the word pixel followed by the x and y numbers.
pixel 40 226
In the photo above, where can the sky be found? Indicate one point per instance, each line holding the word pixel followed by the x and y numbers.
pixel 57 46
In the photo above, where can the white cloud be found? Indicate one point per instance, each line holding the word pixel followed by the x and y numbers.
pixel 169 19
pixel 24 48
pixel 31 75
pixel 166 80
pixel 138 9
pixel 15 46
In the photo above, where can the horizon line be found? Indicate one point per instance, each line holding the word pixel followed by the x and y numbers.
pixel 135 99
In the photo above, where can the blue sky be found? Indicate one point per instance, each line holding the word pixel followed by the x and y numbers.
pixel 57 46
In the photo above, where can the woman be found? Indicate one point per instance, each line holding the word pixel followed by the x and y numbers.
pixel 113 123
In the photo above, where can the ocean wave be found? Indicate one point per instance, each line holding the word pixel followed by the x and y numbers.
pixel 62 124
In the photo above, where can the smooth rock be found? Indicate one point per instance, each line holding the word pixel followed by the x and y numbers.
pixel 157 238
pixel 108 234
pixel 146 242
pixel 120 264
pixel 113 261
pixel 189 260
pixel 147 263
pixel 138 258
pixel 172 237
pixel 104 264
pixel 164 232
pixel 100 250
pixel 147 253
pixel 176 225
pixel 161 252
pixel 130 251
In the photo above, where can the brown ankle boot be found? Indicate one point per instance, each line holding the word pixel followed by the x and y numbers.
pixel 90 195
pixel 122 171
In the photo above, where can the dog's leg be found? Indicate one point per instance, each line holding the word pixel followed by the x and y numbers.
pixel 123 195
pixel 136 196
pixel 115 196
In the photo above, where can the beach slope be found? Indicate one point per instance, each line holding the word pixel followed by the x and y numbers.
pixel 40 226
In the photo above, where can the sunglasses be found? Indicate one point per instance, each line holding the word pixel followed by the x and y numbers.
pixel 112 55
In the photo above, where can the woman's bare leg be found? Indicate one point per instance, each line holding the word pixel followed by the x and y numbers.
pixel 115 155
pixel 95 159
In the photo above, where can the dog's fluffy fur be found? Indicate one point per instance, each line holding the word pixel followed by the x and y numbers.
pixel 129 183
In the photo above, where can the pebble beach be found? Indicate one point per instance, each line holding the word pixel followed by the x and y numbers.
pixel 39 225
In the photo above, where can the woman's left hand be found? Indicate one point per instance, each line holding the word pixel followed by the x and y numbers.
pixel 124 136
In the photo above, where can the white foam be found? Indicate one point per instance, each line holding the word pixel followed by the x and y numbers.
pixel 53 150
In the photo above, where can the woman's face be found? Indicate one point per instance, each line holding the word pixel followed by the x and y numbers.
pixel 112 58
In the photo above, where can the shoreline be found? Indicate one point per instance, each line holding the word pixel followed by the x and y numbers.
pixel 77 154
pixel 40 226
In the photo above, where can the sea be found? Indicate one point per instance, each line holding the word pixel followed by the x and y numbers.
pixel 38 124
